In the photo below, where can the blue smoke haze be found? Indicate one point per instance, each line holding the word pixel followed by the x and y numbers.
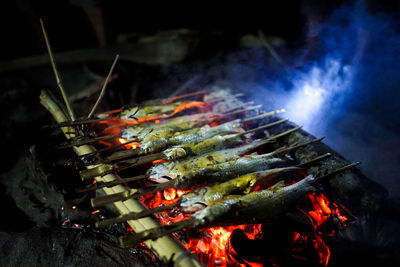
pixel 349 92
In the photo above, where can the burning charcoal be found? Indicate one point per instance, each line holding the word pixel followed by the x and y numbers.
pixel 240 210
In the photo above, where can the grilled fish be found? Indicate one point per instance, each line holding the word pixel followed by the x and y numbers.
pixel 255 207
pixel 206 196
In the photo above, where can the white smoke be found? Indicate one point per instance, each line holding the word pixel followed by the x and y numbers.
pixel 318 92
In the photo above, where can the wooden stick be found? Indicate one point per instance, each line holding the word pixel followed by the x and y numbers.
pixel 262 127
pixel 296 146
pixel 172 99
pixel 266 114
pixel 134 240
pixel 334 172
pixel 242 110
pixel 83 141
pixel 269 47
pixel 54 66
pixel 324 156
pixel 109 184
pixel 103 90
pixel 166 249
pixel 134 216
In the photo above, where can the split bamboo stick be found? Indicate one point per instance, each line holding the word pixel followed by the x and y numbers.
pixel 165 248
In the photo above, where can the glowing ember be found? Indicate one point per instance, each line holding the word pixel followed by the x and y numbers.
pixel 212 245
pixel 158 161
pixel 323 250
pixel 169 193
pixel 322 211
pixel 131 145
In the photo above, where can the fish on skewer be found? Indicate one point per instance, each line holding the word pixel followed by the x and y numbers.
pixel 149 111
pixel 217 142
pixel 169 170
pixel 167 108
pixel 202 176
pixel 192 179
pixel 139 114
pixel 152 144
pixel 255 207
pixel 146 113
pixel 137 131
pixel 203 197
pixel 207 98
pixel 150 130
pixel 206 196
pixel 165 171
pixel 154 102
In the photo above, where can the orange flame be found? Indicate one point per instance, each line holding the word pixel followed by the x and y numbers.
pixel 212 245
pixel 131 145
pixel 158 161
pixel 183 106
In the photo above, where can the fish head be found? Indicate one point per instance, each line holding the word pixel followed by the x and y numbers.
pixel 161 173
pixel 175 153
pixel 193 201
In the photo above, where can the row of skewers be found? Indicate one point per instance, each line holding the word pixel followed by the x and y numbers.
pixel 218 164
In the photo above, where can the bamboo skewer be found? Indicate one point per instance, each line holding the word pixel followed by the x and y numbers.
pixel 83 141
pixel 146 213
pixel 99 185
pixel 103 89
pixel 54 66
pixel 166 249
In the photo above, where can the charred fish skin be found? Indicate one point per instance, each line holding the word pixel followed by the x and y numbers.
pixel 180 123
pixel 190 136
pixel 150 111
pixel 257 206
pixel 153 131
pixel 199 134
pixel 177 168
pixel 224 171
pixel 243 184
pixel 154 146
pixel 217 142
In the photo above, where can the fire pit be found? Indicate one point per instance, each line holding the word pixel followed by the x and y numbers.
pixel 200 178
pixel 308 230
